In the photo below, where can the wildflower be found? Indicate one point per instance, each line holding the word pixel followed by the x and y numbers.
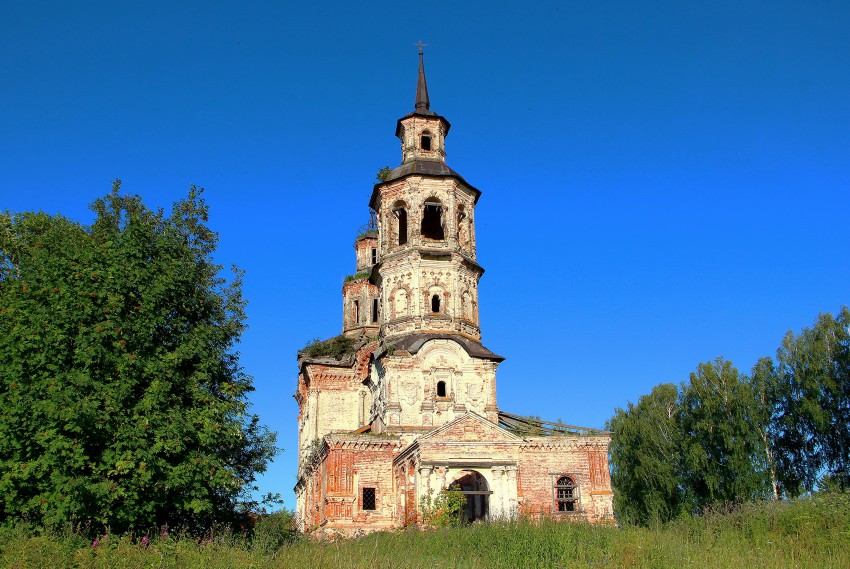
pixel 95 543
pixel 145 541
pixel 165 534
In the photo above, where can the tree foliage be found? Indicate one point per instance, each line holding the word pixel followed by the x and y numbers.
pixel 646 457
pixel 123 399
pixel 725 436
pixel 813 422
pixel 722 449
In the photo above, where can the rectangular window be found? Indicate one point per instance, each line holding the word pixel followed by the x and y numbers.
pixel 374 310
pixel 374 256
pixel 368 499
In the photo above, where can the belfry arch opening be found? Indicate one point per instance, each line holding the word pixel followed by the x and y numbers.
pixel 425 141
pixel 400 215
pixel 432 220
pixel 435 303
pixel 473 485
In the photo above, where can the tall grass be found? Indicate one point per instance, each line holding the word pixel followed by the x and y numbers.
pixel 812 532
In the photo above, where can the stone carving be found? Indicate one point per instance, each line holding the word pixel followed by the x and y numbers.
pixel 474 392
pixel 409 392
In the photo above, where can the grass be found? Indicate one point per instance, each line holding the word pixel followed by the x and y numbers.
pixel 337 347
pixel 808 533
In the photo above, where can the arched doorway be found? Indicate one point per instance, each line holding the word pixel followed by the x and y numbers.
pixel 474 486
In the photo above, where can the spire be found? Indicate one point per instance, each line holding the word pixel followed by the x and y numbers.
pixel 422 101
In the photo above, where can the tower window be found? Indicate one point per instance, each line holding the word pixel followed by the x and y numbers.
pixel 368 499
pixel 401 215
pixel 441 389
pixel 374 310
pixel 432 221
pixel 374 255
pixel 425 142
pixel 435 303
pixel 356 311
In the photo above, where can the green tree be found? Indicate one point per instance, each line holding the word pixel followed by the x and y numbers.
pixel 123 399
pixel 765 384
pixel 723 448
pixel 383 174
pixel 813 427
pixel 645 458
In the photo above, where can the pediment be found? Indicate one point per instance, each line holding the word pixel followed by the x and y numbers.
pixel 470 427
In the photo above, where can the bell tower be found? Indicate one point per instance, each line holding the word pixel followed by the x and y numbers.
pixel 403 403
pixel 431 367
pixel 428 274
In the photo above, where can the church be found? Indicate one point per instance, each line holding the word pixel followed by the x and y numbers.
pixel 402 404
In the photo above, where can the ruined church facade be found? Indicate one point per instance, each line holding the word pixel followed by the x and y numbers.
pixel 403 404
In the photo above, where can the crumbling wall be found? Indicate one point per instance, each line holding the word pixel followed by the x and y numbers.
pixel 543 460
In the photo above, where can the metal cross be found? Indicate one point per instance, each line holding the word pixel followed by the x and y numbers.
pixel 420 45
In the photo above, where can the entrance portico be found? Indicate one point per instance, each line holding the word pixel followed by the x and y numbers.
pixel 460 456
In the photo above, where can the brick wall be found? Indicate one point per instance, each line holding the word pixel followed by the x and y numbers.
pixel 543 460
pixel 333 488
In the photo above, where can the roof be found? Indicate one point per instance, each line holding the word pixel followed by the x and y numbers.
pixel 423 103
pixel 422 168
pixel 413 343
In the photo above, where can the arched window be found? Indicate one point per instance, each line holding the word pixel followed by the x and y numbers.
pixel 356 311
pixel 566 495
pixel 374 310
pixel 425 141
pixel 432 220
pixel 441 389
pixel 401 214
pixel 435 303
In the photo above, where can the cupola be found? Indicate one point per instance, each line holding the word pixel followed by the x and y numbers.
pixel 423 132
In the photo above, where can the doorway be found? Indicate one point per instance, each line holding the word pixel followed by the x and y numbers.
pixel 474 486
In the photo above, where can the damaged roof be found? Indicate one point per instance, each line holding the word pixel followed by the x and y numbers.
pixel 412 343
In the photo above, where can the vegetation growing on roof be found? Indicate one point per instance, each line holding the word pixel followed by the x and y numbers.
pixel 356 277
pixel 383 174
pixel 337 347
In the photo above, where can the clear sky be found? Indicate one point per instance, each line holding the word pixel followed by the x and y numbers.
pixel 663 182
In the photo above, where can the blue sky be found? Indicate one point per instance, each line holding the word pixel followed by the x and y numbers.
pixel 663 182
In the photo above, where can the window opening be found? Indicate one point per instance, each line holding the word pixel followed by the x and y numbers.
pixel 432 221
pixel 356 311
pixel 566 495
pixel 368 498
pixel 441 389
pixel 374 310
pixel 374 255
pixel 401 214
pixel 435 303
pixel 426 142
